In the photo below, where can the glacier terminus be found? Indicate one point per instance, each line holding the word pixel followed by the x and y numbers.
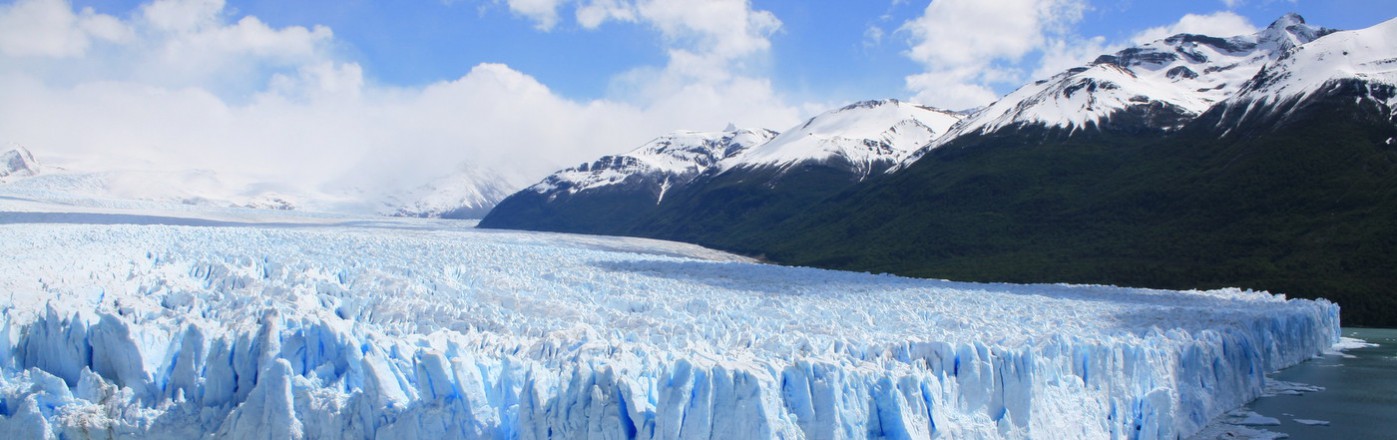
pixel 241 324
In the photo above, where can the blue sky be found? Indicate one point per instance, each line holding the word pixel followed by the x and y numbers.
pixel 821 51
pixel 325 89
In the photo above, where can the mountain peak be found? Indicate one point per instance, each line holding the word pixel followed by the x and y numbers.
pixel 1291 30
pixel 1157 85
pixel 872 103
pixel 675 158
pixel 1363 55
pixel 1286 21
pixel 868 134
pixel 18 161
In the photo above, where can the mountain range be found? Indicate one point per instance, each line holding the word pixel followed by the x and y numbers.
pixel 1263 161
pixel 466 193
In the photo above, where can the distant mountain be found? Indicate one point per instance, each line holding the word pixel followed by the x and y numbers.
pixel 614 193
pixel 466 194
pixel 864 138
pixel 688 181
pixel 657 166
pixel 17 162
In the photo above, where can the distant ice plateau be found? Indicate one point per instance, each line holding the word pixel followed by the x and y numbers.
pixel 411 328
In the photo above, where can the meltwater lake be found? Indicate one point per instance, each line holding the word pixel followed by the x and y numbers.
pixel 1359 400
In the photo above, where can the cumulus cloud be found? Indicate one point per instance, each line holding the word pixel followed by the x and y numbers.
pixel 716 45
pixel 50 28
pixel 593 13
pixel 183 84
pixel 1221 23
pixel 1062 54
pixel 873 36
pixel 968 46
pixel 544 13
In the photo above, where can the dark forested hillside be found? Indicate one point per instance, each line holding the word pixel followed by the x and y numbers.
pixel 1307 207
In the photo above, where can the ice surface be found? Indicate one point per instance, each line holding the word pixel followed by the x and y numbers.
pixel 1278 387
pixel 1347 343
pixel 1248 418
pixel 1312 422
pixel 418 329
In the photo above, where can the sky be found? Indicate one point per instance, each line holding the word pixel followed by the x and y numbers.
pixel 389 94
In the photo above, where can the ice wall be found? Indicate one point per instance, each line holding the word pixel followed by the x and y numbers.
pixel 307 378
pixel 184 344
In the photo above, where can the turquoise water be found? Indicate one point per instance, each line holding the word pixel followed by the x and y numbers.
pixel 1360 396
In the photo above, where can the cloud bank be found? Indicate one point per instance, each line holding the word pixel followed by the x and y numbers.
pixel 190 84
pixel 181 84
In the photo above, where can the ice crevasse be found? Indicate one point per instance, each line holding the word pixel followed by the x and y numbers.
pixel 113 331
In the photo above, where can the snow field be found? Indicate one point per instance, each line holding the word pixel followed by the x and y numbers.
pixel 157 331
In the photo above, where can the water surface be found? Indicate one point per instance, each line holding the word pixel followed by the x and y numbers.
pixel 1359 399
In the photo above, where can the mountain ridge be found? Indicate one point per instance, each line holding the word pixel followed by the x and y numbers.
pixel 1189 162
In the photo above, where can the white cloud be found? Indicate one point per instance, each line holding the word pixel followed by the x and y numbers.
pixel 1221 24
pixel 716 51
pixel 1232 4
pixel 966 46
pixel 1065 53
pixel 725 28
pixel 595 12
pixel 707 41
pixel 544 13
pixel 50 28
pixel 182 15
pixel 186 84
pixel 873 36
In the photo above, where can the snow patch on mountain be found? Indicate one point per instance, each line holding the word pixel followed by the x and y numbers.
pixel 670 160
pixel 16 163
pixel 127 187
pixel 1170 80
pixel 468 193
pixel 868 135
pixel 1367 55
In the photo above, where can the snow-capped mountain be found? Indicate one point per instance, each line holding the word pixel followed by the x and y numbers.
pixel 17 162
pixel 664 162
pixel 1162 84
pixel 710 170
pixel 868 136
pixel 467 193
pixel 140 187
pixel 1360 64
pixel 613 193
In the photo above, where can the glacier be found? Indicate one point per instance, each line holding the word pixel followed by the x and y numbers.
pixel 330 327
